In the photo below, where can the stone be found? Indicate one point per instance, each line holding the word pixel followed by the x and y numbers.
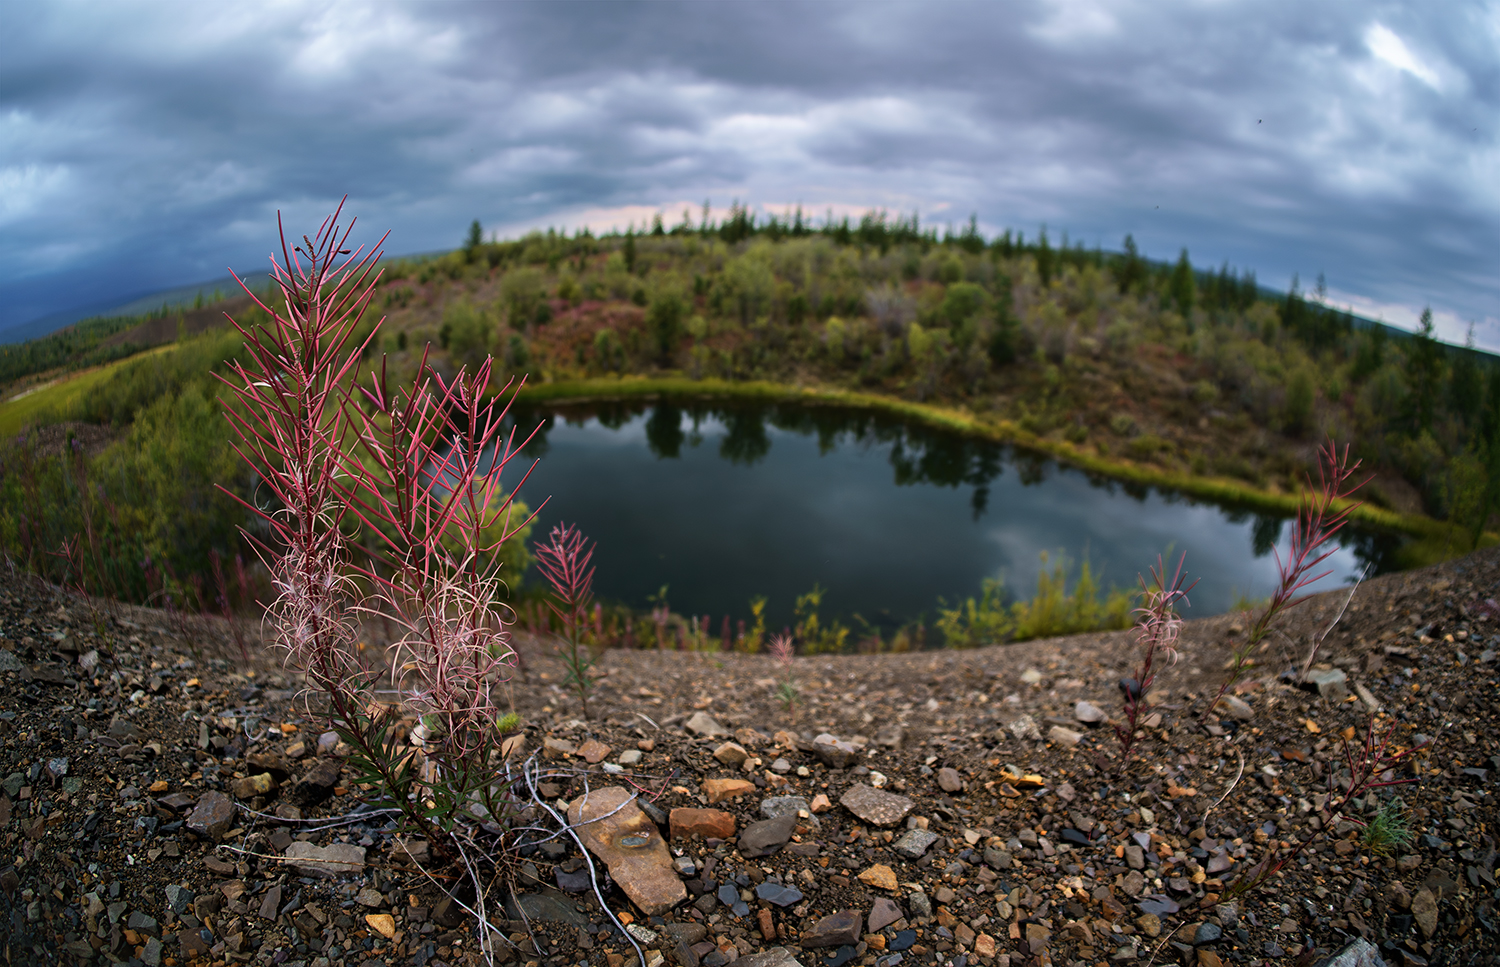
pixel 630 757
pixel 1135 857
pixel 835 753
pixel 1064 737
pixel 880 876
pixel 883 913
pixel 703 724
pixel 340 859
pixel 1237 708
pixel 1424 908
pixel 252 786
pixel 775 806
pixel 949 780
pixel 1219 861
pixel 1159 905
pixel 718 790
pixel 919 905
pixel 1331 685
pixel 876 806
pixel 765 836
pixel 779 894
pixel 178 898
pixel 707 823
pixel 554 748
pixel 731 754
pixel 1358 953
pixel 212 816
pixel 328 743
pixel 370 897
pixel 775 957
pixel 1207 958
pixel 270 904
pixel 1037 936
pixel 594 751
pixel 614 828
pixel 382 923
pixel 1207 933
pixel 1023 728
pixel 834 930
pixel 317 784
pixel 914 843
pixel 1090 714
pixel 1149 924
pixel 984 946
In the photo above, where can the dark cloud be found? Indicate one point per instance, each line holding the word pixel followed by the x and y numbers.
pixel 148 145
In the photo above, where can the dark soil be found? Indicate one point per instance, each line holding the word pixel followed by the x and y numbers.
pixel 114 722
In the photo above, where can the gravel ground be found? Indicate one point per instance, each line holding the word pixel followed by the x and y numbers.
pixel 155 782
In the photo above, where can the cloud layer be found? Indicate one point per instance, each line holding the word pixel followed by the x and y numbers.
pixel 147 145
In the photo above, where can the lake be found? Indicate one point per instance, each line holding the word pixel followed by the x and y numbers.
pixel 718 503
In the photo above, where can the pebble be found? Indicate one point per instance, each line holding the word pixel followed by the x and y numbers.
pixel 731 754
pixel 780 895
pixel 703 724
pixel 880 876
pixel 883 913
pixel 834 930
pixel 775 806
pixel 1424 908
pixel 1090 714
pixel 876 806
pixel 1064 737
pixel 630 757
pixel 834 753
pixel 212 816
pixel 613 827
pixel 949 780
pixel 765 836
pixel 914 843
pixel 382 923
pixel 339 859
pixel 369 897
pixel 707 823
pixel 718 790
pixel 919 905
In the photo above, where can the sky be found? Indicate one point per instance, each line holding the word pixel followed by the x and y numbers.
pixel 150 145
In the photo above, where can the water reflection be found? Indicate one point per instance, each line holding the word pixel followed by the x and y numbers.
pixel 723 502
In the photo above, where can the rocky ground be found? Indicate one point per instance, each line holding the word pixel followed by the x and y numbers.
pixel 165 801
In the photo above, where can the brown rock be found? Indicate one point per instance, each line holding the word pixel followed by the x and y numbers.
pixel 984 946
pixel 876 806
pixel 880 876
pixel 594 751
pixel 382 923
pixel 718 790
pixel 340 859
pixel 708 823
pixel 767 924
pixel 212 817
pixel 613 827
pixel 1424 908
pixel 834 930
pixel 731 754
pixel 949 780
pixel 317 784
pixel 1207 958
pixel 252 786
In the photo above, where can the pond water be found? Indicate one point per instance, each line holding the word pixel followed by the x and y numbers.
pixel 719 503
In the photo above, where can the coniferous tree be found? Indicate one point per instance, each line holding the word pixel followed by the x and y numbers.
pixel 1044 259
pixel 1424 365
pixel 1184 286
pixel 1131 272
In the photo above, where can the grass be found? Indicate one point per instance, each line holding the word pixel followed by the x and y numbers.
pixel 60 396
pixel 1430 533
pixel 1389 831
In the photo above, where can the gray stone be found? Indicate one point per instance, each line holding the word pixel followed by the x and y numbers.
pixel 919 905
pixel 178 898
pixel 775 957
pixel 270 904
pixel 545 906
pixel 779 894
pixel 835 753
pixel 141 922
pixel 151 955
pixel 1237 707
pixel 997 859
pixel 212 817
pixel 1023 728
pixel 1424 908
pixel 767 835
pixel 703 724
pixel 1332 684
pixel 876 806
pixel 834 930
pixel 1135 857
pixel 1090 714
pixel 775 806
pixel 317 784
pixel 949 780
pixel 340 859
pixel 1064 737
pixel 914 843
pixel 883 913
pixel 9 662
pixel 1359 953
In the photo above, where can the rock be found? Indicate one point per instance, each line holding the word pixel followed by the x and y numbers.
pixel 1064 737
pixel 775 957
pixel 1149 924
pixel 707 823
pixel 883 913
pixel 1207 958
pixel 890 737
pixel 997 859
pixel 1135 857
pixel 340 859
pixel 630 757
pixel 775 806
pixel 949 780
pixel 252 786
pixel 370 897
pixel 594 751
pixel 703 724
pixel 914 843
pixel 630 845
pixel 718 790
pixel 1090 714
pixel 1158 904
pixel 1219 861
pixel 984 947
pixel 880 876
pixel 328 743
pixel 767 835
pixel 554 748
pixel 1331 685
pixel 1371 703
pixel 1359 953
pixel 1037 936
pixel 317 784
pixel 919 905
pixel 782 896
pixel 1023 728
pixel 270 904
pixel 1237 708
pixel 212 817
pixel 820 804
pixel 382 923
pixel 1207 933
pixel 835 753
pixel 834 930
pixel 876 806
pixel 731 754
pixel 1424 908
pixel 178 898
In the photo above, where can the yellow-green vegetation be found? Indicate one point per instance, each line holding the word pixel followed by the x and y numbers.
pixel 1054 610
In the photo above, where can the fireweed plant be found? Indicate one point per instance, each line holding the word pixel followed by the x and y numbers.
pixel 417 471
pixel 786 689
pixel 1318 520
pixel 565 562
pixel 1157 631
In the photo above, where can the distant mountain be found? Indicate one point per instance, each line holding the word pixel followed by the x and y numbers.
pixel 133 304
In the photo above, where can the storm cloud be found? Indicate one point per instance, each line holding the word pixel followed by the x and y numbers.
pixel 149 145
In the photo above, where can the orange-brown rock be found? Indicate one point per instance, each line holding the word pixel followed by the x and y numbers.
pixel 708 823
pixel 615 829
pixel 718 790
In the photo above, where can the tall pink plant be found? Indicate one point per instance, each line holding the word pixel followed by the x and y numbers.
pixel 418 469
pixel 566 562
pixel 1157 631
